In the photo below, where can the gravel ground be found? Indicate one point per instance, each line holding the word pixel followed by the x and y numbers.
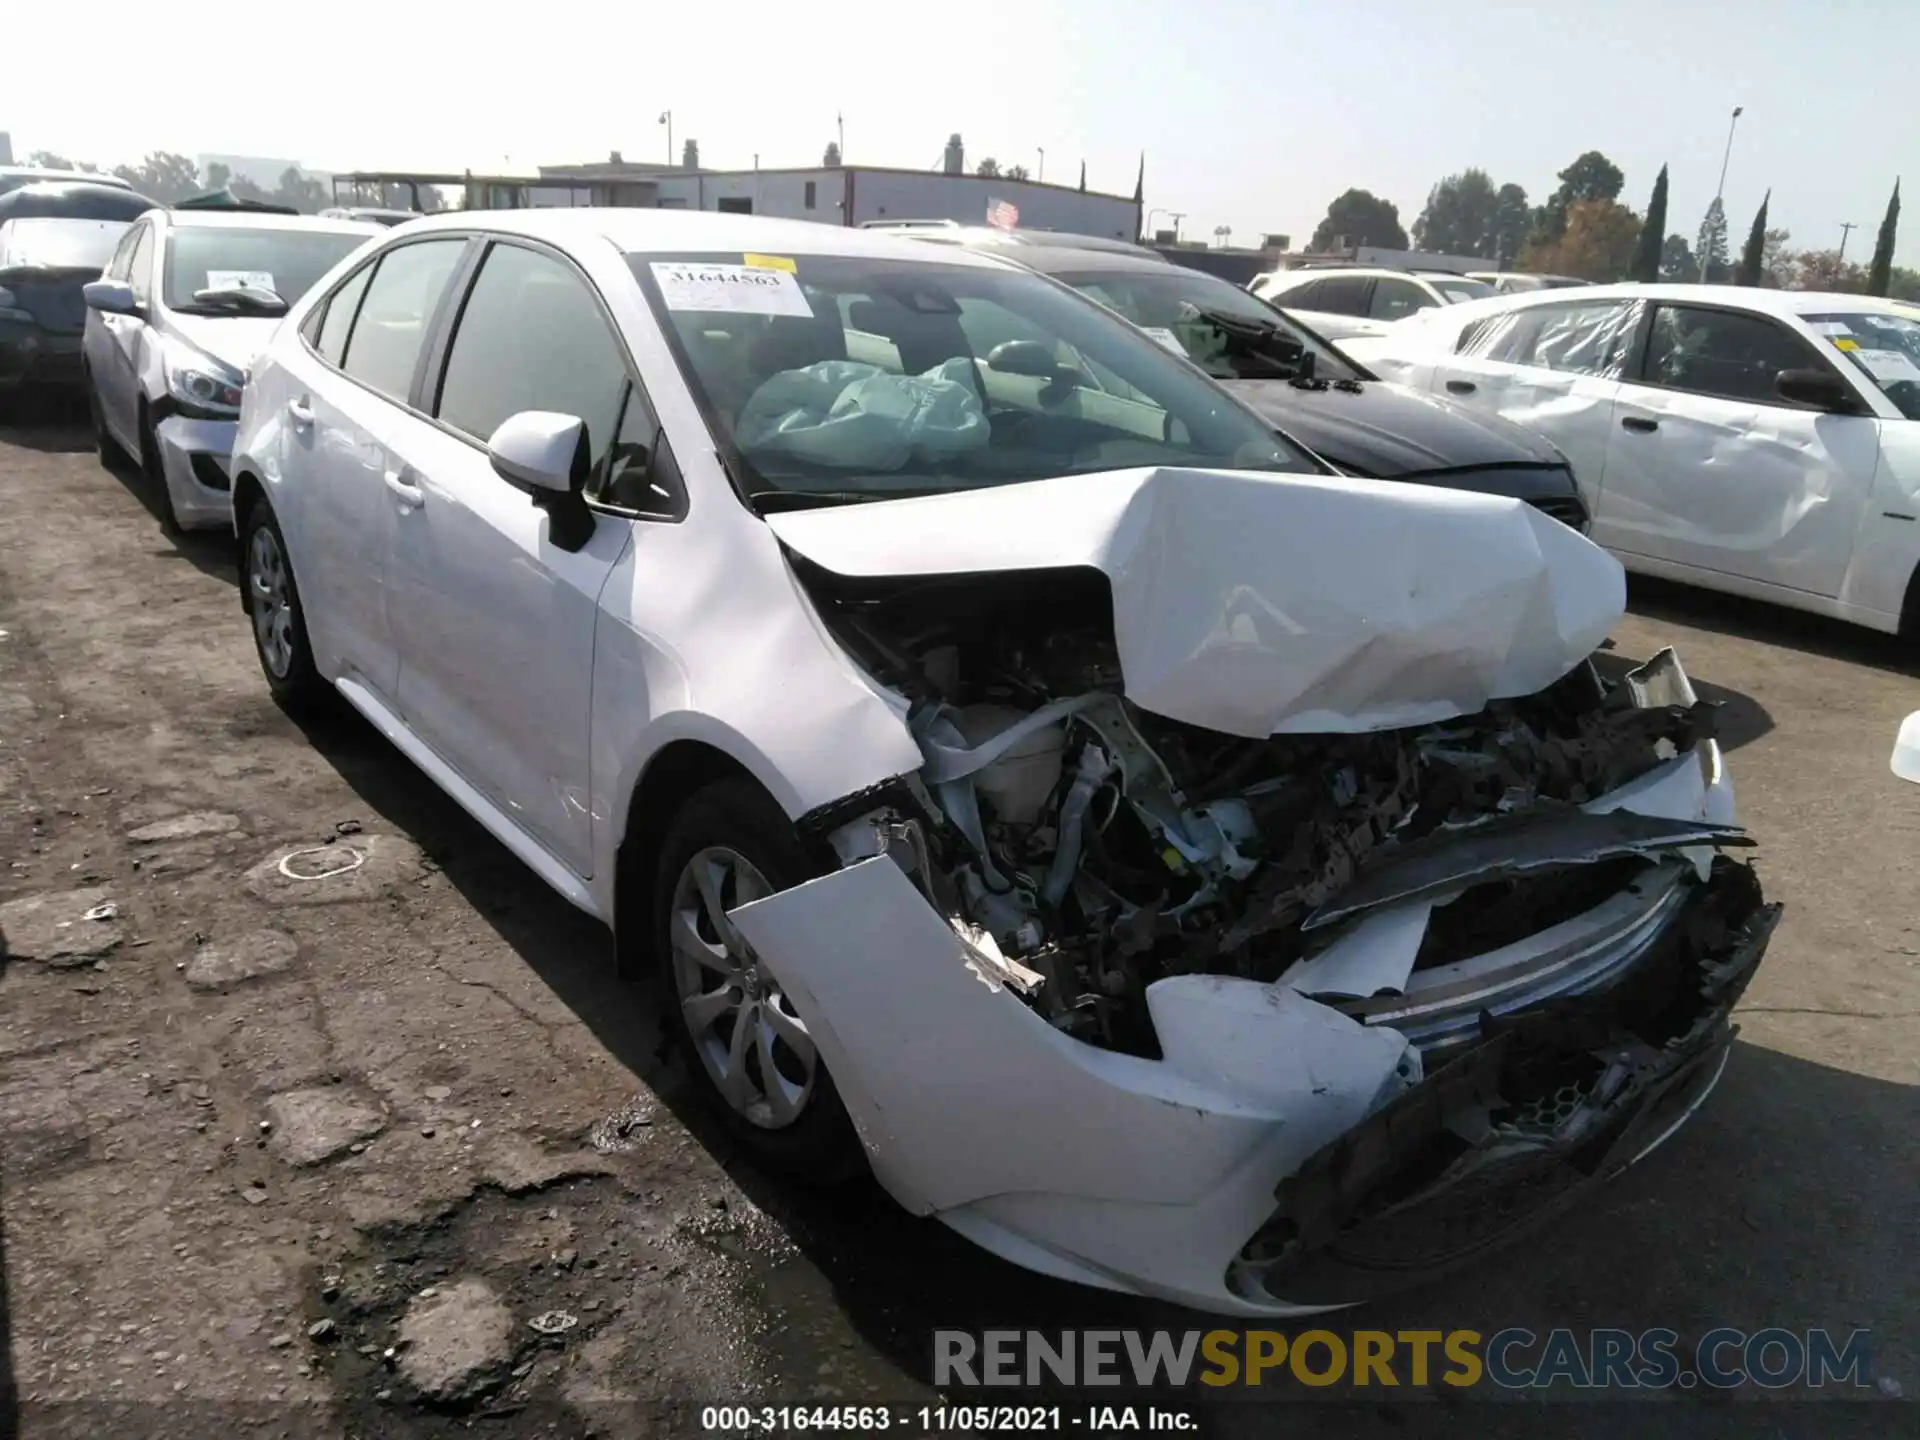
pixel 333 1120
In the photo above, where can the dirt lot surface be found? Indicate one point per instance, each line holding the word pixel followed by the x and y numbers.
pixel 320 1114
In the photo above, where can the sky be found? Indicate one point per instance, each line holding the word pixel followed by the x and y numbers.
pixel 1249 115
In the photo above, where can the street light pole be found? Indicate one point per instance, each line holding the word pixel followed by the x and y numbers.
pixel 1043 162
pixel 1720 190
pixel 666 119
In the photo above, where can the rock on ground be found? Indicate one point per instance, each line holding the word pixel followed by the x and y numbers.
pixel 186 827
pixel 313 1125
pixel 260 952
pixel 458 1344
pixel 518 1166
pixel 53 928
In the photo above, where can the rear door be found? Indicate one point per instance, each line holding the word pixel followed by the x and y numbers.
pixel 493 620
pixel 1554 368
pixel 345 416
pixel 1708 467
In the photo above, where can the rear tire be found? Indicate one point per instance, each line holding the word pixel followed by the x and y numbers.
pixel 272 601
pixel 749 1053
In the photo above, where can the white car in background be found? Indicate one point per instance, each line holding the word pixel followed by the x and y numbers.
pixel 187 300
pixel 1762 442
pixel 1024 772
pixel 1347 301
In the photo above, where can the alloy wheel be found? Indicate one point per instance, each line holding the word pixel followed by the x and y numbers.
pixel 753 1046
pixel 270 601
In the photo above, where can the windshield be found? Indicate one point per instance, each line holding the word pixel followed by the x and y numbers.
pixel 217 257
pixel 1458 288
pixel 1186 308
pixel 1885 348
pixel 836 378
pixel 60 244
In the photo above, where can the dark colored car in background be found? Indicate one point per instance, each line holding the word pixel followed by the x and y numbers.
pixel 55 236
pixel 1309 389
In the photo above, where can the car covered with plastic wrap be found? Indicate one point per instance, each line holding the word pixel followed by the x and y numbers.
pixel 1175 867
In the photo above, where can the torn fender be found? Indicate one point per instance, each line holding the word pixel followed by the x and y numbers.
pixel 959 1091
pixel 1260 604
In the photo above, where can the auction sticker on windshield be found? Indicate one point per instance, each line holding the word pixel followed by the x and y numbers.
pixel 732 289
pixel 1888 365
pixel 239 280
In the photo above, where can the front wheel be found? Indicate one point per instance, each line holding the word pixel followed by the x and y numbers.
pixel 155 473
pixel 273 607
pixel 750 1052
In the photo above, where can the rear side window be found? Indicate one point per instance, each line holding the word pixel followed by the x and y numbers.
pixel 1723 353
pixel 1342 295
pixel 386 337
pixel 1582 339
pixel 338 320
pixel 532 337
pixel 1396 299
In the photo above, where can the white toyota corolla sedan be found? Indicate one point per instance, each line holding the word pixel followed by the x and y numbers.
pixel 1175 867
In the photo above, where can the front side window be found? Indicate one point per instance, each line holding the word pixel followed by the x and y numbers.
pixel 1395 299
pixel 1210 320
pixel 140 266
pixel 211 261
pixel 531 336
pixel 1589 338
pixel 1885 348
pixel 1724 353
pixel 122 260
pixel 853 377
pixel 384 344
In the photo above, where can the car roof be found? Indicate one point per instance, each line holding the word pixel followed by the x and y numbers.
pixel 73 200
pixel 90 176
pixel 264 220
pixel 1770 302
pixel 635 230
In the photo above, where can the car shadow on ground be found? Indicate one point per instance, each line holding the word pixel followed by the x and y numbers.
pixel 1739 720
pixel 1711 1230
pixel 53 424
pixel 1776 625
pixel 9 1388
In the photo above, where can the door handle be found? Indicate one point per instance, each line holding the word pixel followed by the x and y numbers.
pixel 300 413
pixel 1639 423
pixel 1462 387
pixel 404 491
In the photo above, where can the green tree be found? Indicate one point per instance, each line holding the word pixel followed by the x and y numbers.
pixel 1753 259
pixel 1903 284
pixel 219 177
pixel 1776 260
pixel 1711 248
pixel 1826 270
pixel 306 195
pixel 165 176
pixel 1677 263
pixel 1880 272
pixel 1360 217
pixel 1646 255
pixel 832 158
pixel 1459 216
pixel 1592 176
pixel 690 155
pixel 988 167
pixel 1017 172
pixel 1511 217
pixel 1598 243
pixel 48 160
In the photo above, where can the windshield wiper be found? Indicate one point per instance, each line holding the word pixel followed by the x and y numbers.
pixel 1259 349
pixel 774 499
pixel 241 297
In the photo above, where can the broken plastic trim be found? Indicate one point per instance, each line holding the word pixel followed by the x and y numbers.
pixel 1526 842
pixel 1507 1134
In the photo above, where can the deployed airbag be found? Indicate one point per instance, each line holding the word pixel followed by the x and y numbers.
pixel 851 416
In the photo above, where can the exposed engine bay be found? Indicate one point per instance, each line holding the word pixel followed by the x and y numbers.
pixel 1089 848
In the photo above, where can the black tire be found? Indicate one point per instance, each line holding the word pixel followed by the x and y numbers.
pixel 296 685
pixel 155 474
pixel 820 1146
pixel 103 442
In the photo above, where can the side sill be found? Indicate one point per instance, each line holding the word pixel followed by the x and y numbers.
pixel 531 853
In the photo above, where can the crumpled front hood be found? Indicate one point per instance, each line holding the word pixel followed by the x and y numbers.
pixel 1259 604
pixel 1388 430
pixel 233 340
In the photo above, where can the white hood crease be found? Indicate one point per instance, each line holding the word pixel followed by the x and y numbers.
pixel 1258 604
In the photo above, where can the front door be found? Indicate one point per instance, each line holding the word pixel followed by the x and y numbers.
pixel 1708 467
pixel 120 350
pixel 494 621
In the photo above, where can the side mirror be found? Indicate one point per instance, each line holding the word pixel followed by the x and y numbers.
pixel 545 454
pixel 1820 389
pixel 110 297
pixel 1023 357
pixel 538 450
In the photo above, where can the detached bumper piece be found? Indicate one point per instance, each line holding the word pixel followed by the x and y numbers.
pixel 1546 1103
